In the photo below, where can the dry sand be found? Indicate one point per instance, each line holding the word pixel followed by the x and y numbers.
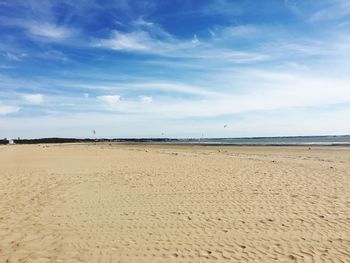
pixel 120 203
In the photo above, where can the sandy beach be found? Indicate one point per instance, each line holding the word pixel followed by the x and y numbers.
pixel 164 203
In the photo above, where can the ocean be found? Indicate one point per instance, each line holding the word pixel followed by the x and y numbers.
pixel 342 140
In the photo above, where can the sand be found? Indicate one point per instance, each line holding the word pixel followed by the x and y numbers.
pixel 137 203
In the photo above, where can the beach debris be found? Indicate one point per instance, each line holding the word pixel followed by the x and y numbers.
pixel 146 150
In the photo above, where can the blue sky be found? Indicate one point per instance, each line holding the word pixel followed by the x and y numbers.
pixel 179 68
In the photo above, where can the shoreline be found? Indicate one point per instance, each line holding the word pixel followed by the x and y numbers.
pixel 214 144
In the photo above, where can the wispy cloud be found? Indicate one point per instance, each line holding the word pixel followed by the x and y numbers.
pixel 15 56
pixel 163 44
pixel 135 41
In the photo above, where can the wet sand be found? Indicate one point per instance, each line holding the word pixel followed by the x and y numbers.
pixel 139 203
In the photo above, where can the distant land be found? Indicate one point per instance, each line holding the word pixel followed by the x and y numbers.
pixel 328 140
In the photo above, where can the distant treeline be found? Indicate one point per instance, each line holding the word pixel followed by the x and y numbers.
pixel 75 140
pixel 4 141
pixel 51 140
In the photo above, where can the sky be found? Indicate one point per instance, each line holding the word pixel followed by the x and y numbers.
pixel 174 68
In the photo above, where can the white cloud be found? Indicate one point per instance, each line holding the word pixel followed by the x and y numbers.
pixel 147 37
pixel 40 28
pixel 336 9
pixel 134 41
pixel 259 91
pixel 15 56
pixel 154 41
pixel 48 30
pixel 145 99
pixel 5 109
pixel 142 22
pixel 150 38
pixel 144 42
pixel 34 98
pixel 109 99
